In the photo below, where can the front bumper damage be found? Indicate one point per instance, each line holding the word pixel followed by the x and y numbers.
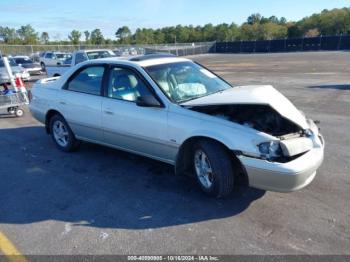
pixel 285 177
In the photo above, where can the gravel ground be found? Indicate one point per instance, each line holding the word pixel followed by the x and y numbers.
pixel 103 201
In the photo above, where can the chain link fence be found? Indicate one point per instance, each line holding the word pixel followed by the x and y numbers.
pixel 341 42
pixel 120 50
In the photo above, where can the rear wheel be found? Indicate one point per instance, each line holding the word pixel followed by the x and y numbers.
pixel 11 110
pixel 213 168
pixel 62 135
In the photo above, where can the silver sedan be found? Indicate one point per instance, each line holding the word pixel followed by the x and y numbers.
pixel 176 111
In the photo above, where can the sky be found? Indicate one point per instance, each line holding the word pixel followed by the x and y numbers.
pixel 58 18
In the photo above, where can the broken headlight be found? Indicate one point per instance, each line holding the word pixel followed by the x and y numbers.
pixel 270 150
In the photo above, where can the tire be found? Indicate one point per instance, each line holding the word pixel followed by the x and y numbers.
pixel 62 134
pixel 219 181
pixel 19 112
pixel 43 67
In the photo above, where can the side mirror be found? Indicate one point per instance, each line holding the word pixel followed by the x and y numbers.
pixel 147 101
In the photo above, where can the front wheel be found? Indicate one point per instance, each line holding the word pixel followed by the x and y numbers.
pixel 62 135
pixel 19 112
pixel 213 168
pixel 43 67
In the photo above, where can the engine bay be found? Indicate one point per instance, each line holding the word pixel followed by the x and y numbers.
pixel 262 118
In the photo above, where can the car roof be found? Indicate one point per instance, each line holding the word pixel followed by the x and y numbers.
pixel 20 56
pixel 146 60
pixel 95 50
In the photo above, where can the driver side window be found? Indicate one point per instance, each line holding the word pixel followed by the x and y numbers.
pixel 126 85
pixel 49 55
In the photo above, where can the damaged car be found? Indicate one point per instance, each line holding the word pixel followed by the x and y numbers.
pixel 174 110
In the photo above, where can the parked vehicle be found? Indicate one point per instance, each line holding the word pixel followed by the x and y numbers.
pixel 4 77
pixel 122 52
pixel 36 56
pixel 52 58
pixel 176 111
pixel 27 63
pixel 76 58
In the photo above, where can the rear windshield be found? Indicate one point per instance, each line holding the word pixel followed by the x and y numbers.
pixel 98 54
pixel 23 61
pixel 59 56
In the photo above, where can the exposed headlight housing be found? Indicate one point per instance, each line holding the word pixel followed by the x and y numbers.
pixel 270 150
pixel 308 132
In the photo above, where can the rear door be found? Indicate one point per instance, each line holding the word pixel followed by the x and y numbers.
pixel 81 101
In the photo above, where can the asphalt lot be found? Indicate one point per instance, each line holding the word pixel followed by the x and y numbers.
pixel 103 201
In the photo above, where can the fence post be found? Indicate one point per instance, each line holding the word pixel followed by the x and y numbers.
pixel 339 42
pixel 302 44
pixel 285 44
pixel 254 46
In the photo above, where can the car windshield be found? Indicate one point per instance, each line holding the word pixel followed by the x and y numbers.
pixel 98 54
pixel 185 81
pixel 12 62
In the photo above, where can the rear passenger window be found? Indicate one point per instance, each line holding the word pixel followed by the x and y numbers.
pixel 88 81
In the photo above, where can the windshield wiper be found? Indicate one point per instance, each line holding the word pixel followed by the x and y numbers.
pixel 197 97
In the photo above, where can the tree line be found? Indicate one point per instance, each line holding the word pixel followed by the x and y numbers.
pixel 257 27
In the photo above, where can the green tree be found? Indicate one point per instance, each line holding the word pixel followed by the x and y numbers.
pixel 96 37
pixel 9 35
pixel 254 18
pixel 208 33
pixel 123 34
pixel 27 34
pixel 87 37
pixel 45 37
pixel 74 37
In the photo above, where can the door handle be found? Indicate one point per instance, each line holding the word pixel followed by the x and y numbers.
pixel 108 112
pixel 62 103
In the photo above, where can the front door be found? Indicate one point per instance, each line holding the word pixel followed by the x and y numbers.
pixel 131 127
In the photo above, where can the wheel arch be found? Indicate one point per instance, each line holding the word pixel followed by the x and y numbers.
pixel 183 164
pixel 49 115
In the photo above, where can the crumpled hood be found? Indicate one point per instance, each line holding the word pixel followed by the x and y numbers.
pixel 258 94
